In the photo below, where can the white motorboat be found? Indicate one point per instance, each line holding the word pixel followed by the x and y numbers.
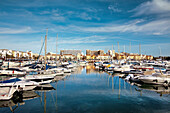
pixel 123 68
pixel 143 67
pixel 158 69
pixel 10 64
pixel 70 66
pixel 110 67
pixel 12 71
pixel 156 78
pixel 64 63
pixel 6 93
pixel 66 70
pixel 97 63
pixel 105 64
pixel 82 63
pixel 42 77
pixel 20 84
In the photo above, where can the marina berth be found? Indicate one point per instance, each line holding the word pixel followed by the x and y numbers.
pixel 84 56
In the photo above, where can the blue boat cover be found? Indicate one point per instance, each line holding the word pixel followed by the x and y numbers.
pixel 10 80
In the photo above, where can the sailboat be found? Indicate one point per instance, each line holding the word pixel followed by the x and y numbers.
pixel 43 76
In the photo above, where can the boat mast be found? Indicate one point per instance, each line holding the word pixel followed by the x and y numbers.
pixel 119 52
pixel 124 51
pixel 140 51
pixel 130 47
pixel 112 52
pixel 42 41
pixel 45 48
pixel 160 51
pixel 56 48
pixel 124 48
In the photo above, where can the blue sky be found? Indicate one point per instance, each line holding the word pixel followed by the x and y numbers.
pixel 86 24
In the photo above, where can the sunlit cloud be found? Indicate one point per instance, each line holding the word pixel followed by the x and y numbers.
pixel 158 27
pixel 153 7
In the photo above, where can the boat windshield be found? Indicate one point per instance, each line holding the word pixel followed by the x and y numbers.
pixel 33 73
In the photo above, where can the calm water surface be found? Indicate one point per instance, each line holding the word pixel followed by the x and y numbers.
pixel 88 91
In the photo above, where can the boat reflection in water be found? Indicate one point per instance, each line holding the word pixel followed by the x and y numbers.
pixel 162 90
pixel 115 80
pixel 89 90
pixel 19 98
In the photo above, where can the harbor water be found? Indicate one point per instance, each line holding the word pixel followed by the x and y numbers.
pixel 90 91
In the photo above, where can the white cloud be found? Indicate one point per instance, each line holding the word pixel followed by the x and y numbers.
pixel 84 16
pixel 153 7
pixel 16 30
pixel 113 8
pixel 160 27
pixel 80 40
pixel 21 44
pixel 45 12
pixel 91 10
